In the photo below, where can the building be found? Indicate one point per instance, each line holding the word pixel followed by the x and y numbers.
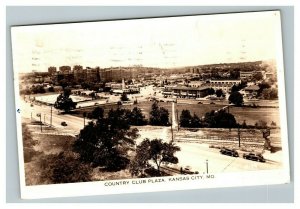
pixel 195 84
pixel 51 70
pixel 224 85
pixel 251 91
pixel 246 74
pixel 92 75
pixel 65 69
pixel 186 92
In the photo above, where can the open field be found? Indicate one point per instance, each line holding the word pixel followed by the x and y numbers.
pixel 218 137
pixel 250 115
pixel 200 145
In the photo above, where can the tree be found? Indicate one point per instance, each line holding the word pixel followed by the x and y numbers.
pixel 51 89
pixel 137 118
pixel 154 114
pixel 273 124
pixel 261 124
pixel 159 116
pixel 185 118
pixel 98 112
pixel 219 119
pixel 219 93
pixel 164 116
pixel 236 98
pixel 38 89
pixel 244 124
pixel 234 74
pixel 64 102
pixel 124 97
pixel 270 93
pixel 195 122
pixel 63 83
pixel 234 88
pixel 106 142
pixel 263 85
pixel 257 76
pixel 64 168
pixel 93 95
pixel 238 87
pixel 154 150
pixel 141 160
pixel 210 91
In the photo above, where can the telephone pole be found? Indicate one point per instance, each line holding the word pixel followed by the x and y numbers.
pixel 51 117
pixel 239 135
pixel 206 166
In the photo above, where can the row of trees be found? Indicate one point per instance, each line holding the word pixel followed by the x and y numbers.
pixel 213 119
pixel 134 117
pixel 218 92
pixel 35 89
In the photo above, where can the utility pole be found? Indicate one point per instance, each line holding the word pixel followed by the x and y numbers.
pixel 40 115
pixel 51 117
pixel 239 135
pixel 207 166
pixel 177 120
pixel 172 133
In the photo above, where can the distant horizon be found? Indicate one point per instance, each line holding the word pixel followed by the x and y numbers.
pixel 168 42
pixel 179 67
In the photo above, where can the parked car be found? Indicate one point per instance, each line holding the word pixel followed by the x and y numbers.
pixel 230 152
pixel 200 103
pixel 188 170
pixel 254 157
pixel 212 103
pixel 63 123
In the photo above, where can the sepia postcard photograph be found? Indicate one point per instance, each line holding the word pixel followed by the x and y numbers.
pixel 155 104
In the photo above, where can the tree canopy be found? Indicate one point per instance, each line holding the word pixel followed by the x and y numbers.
pixel 64 102
pixel 155 150
pixel 220 119
pixel 159 116
pixel 124 97
pixel 219 93
pixel 236 98
pixel 97 113
pixel 107 141
pixel 137 118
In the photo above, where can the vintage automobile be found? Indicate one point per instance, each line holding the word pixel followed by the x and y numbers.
pixel 230 152
pixel 63 123
pixel 188 170
pixel 254 157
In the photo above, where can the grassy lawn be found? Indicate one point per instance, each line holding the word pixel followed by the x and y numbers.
pixel 250 115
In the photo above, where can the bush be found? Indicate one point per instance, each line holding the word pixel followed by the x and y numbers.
pixel 64 168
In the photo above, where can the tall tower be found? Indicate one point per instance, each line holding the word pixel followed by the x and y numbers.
pixel 123 84
pixel 174 118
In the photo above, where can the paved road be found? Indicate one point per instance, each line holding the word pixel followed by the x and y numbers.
pixel 195 155
pixel 74 124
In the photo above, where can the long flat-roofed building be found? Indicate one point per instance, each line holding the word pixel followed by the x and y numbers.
pixel 225 85
pixel 186 92
pixel 246 74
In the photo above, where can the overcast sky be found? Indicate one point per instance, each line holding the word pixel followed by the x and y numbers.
pixel 160 42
